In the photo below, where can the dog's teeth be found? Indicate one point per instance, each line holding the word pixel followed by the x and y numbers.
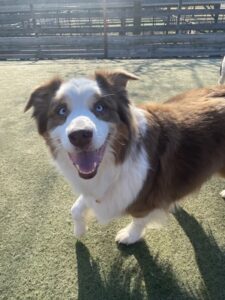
pixel 83 172
pixel 78 168
pixel 86 173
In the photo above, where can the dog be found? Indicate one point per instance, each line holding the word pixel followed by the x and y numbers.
pixel 222 72
pixel 129 159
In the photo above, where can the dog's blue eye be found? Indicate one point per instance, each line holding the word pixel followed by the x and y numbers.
pixel 62 111
pixel 99 108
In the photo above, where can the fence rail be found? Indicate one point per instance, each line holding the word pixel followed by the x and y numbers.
pixel 131 29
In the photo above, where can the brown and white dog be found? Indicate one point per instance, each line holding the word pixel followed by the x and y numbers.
pixel 127 159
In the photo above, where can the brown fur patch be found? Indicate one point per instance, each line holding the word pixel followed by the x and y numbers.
pixel 52 147
pixel 120 143
pixel 186 146
pixel 113 85
pixel 40 100
pixel 222 172
pixel 117 79
pixel 54 119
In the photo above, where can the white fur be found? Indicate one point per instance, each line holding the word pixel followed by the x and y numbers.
pixel 222 73
pixel 114 187
pixel 222 194
pixel 78 213
pixel 134 231
pixel 79 95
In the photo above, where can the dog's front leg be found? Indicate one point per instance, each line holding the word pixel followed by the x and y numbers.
pixel 134 231
pixel 222 194
pixel 78 214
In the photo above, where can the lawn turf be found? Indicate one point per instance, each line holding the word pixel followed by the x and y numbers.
pixel 40 258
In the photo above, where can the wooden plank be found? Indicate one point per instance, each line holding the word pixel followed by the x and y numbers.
pixel 15 8
pixel 182 12
pixel 161 50
pixel 53 2
pixel 110 14
pixel 52 40
pixel 158 3
pixel 36 56
pixel 182 27
pixel 154 3
pixel 149 12
pixel 159 53
pixel 116 29
pixel 15 17
pixel 170 48
pixel 24 56
pixel 144 2
pixel 116 14
pixel 113 42
pixel 58 49
pixel 60 6
pixel 210 38
pixel 167 49
pixel 53 31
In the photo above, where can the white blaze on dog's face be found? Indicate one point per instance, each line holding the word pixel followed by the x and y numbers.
pixel 84 117
pixel 83 134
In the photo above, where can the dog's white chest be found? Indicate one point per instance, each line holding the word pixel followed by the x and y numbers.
pixel 114 187
pixel 122 191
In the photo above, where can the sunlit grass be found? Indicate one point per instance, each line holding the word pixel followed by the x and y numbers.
pixel 40 258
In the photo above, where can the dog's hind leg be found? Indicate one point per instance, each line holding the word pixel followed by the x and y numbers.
pixel 134 231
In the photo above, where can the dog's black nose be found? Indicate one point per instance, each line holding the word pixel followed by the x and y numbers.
pixel 81 138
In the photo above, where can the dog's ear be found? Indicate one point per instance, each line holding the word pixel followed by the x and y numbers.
pixel 40 100
pixel 117 78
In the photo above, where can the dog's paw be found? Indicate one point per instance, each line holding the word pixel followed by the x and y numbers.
pixel 128 235
pixel 222 194
pixel 80 229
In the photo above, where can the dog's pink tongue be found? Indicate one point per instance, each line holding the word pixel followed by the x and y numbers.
pixel 85 162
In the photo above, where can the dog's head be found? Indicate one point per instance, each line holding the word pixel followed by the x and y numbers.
pixel 86 118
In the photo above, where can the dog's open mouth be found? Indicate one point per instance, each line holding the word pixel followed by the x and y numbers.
pixel 87 162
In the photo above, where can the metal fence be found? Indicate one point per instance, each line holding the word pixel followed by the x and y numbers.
pixel 110 29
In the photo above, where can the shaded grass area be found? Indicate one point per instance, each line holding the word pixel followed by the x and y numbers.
pixel 40 258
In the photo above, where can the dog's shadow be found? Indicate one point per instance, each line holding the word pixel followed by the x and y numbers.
pixel 209 257
pixel 147 276
pixel 158 280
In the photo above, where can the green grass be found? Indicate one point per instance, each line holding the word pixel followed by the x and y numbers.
pixel 40 258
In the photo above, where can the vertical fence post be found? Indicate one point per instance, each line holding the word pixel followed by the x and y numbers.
pixel 38 50
pixel 168 19
pixel 178 17
pixel 105 29
pixel 123 23
pixel 33 19
pixel 216 16
pixel 137 17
